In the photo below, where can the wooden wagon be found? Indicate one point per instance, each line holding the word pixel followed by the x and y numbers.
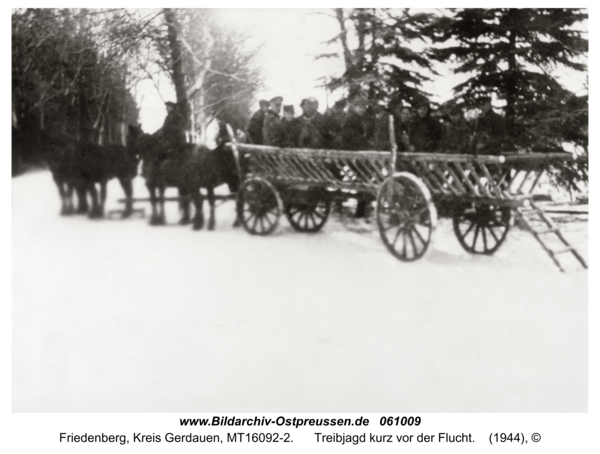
pixel 482 194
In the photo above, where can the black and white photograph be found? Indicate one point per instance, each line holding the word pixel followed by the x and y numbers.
pixel 324 210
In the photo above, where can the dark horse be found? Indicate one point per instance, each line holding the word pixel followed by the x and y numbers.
pixel 63 164
pixel 60 156
pixel 193 167
pixel 98 164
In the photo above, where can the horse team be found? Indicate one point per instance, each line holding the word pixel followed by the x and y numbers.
pixel 85 168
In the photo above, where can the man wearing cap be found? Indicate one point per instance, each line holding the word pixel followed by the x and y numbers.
pixel 427 131
pixel 353 126
pixel 314 130
pixel 380 136
pixel 290 128
pixel 304 106
pixel 172 133
pixel 403 124
pixel 272 123
pixel 457 134
pixel 255 125
pixel 490 132
pixel 332 119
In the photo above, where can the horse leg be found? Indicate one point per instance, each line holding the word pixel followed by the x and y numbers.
pixel 184 205
pixel 128 190
pixel 161 197
pixel 95 211
pixel 182 194
pixel 198 202
pixel 210 192
pixel 82 204
pixel 102 197
pixel 152 192
pixel 62 194
pixel 237 222
pixel 69 198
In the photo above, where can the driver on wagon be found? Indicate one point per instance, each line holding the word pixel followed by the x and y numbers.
pixel 172 133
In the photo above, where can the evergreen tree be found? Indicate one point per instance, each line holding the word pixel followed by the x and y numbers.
pixel 380 62
pixel 511 52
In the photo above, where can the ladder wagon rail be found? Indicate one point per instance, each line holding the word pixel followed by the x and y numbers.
pixel 482 193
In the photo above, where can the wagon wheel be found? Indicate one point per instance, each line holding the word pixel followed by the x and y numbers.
pixel 406 216
pixel 481 229
pixel 258 206
pixel 308 215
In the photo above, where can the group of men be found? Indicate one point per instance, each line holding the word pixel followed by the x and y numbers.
pixel 362 128
pixel 309 130
pixel 359 128
pixel 354 126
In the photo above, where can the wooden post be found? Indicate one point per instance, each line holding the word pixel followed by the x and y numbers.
pixel 236 153
pixel 393 145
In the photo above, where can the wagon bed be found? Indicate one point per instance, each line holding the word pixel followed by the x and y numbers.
pixel 482 194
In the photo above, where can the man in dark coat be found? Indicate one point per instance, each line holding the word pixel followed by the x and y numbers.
pixel 403 120
pixel 490 130
pixel 353 128
pixel 255 125
pixel 172 133
pixel 304 106
pixel 314 130
pixel 332 124
pixel 272 125
pixel 170 138
pixel 290 128
pixel 427 131
pixel 457 134
pixel 332 119
pixel 403 124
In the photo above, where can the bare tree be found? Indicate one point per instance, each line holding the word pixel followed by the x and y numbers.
pixel 220 76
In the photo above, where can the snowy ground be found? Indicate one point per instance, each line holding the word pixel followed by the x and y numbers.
pixel 116 316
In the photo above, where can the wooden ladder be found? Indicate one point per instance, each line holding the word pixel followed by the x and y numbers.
pixel 529 218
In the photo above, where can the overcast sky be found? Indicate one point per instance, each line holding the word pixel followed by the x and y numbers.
pixel 290 39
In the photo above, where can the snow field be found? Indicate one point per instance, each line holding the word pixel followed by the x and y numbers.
pixel 118 316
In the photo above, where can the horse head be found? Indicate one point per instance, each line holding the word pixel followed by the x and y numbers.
pixel 144 146
pixel 135 140
pixel 133 134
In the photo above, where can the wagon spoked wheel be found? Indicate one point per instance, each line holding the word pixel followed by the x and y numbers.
pixel 259 206
pixel 308 215
pixel 482 228
pixel 406 216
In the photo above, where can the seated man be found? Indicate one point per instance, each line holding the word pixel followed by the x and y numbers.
pixel 171 136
